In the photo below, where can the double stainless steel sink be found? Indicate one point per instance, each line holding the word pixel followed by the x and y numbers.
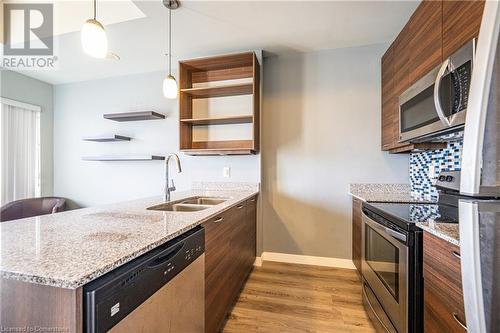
pixel 191 204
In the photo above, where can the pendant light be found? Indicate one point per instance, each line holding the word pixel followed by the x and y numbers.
pixel 170 88
pixel 94 39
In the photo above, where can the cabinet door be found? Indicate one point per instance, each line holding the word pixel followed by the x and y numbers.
pixel 401 70
pixel 251 231
pixel 443 295
pixel 461 22
pixel 357 224
pixel 229 257
pixel 217 261
pixel 238 249
pixel 426 39
pixel 387 99
pixel 401 61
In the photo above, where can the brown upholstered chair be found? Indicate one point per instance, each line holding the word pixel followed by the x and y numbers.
pixel 31 207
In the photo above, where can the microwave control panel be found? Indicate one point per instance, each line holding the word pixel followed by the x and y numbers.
pixel 461 82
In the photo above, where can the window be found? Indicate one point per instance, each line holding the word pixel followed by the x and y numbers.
pixel 19 150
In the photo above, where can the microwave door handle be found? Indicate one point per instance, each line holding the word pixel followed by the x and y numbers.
pixel 437 87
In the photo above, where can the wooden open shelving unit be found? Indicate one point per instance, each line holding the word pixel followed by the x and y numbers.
pixel 212 77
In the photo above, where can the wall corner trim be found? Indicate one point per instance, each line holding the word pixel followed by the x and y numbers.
pixel 304 260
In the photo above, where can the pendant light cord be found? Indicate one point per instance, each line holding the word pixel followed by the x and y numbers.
pixel 169 41
pixel 95 5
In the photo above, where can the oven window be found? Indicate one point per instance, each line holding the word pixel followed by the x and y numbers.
pixel 419 111
pixel 383 258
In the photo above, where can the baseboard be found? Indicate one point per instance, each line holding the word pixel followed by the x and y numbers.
pixel 258 261
pixel 305 260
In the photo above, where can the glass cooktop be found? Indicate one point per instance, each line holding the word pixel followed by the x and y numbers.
pixel 406 214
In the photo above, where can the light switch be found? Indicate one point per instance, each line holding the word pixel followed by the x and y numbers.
pixel 226 172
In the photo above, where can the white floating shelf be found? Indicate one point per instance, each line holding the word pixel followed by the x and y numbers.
pixel 107 138
pixel 124 158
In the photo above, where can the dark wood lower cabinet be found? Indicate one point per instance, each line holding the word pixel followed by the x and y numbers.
pixel 357 225
pixel 30 305
pixel 443 296
pixel 230 241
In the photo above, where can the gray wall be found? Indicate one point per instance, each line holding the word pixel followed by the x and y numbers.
pixel 26 89
pixel 321 131
pixel 79 110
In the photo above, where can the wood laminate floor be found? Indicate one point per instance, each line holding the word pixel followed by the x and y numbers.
pixel 297 298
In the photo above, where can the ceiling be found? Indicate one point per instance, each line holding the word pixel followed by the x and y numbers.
pixel 137 31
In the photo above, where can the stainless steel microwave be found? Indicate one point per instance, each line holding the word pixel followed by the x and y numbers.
pixel 436 104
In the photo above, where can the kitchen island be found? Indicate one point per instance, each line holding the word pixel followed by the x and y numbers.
pixel 45 261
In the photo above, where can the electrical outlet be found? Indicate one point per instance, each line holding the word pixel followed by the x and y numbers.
pixel 432 172
pixel 226 172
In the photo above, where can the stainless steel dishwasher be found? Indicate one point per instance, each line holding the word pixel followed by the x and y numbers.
pixel 161 291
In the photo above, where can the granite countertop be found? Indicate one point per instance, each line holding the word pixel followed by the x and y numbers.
pixel 71 248
pixel 447 231
pixel 384 193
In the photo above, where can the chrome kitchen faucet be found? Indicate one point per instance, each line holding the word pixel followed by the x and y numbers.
pixel 168 189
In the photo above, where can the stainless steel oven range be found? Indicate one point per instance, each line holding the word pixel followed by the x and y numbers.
pixel 389 274
pixel 391 258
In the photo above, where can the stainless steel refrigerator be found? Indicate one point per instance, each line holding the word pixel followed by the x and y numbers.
pixel 479 213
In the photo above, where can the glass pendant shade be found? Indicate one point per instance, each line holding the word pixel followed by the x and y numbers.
pixel 170 87
pixel 94 39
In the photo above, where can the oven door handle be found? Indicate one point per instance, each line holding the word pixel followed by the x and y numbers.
pixel 437 87
pixel 388 231
pixel 395 234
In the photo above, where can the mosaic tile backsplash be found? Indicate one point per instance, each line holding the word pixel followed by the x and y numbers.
pixel 425 167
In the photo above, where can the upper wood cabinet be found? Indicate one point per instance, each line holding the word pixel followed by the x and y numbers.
pixel 435 31
pixel 426 39
pixel 390 105
pixel 402 61
pixel 395 79
pixel 461 22
pixel 387 99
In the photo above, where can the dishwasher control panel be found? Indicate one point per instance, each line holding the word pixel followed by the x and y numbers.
pixel 110 298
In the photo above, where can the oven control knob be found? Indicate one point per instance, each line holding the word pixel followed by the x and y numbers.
pixel 449 178
pixel 442 178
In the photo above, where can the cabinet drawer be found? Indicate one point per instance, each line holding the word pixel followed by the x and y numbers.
pixel 440 314
pixel 251 206
pixel 217 242
pixel 443 295
pixel 442 260
pixel 214 226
